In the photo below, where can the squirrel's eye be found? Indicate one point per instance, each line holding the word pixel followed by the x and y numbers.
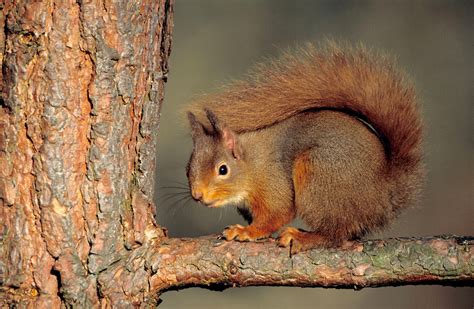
pixel 223 170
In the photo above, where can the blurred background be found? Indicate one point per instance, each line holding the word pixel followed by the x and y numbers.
pixel 215 41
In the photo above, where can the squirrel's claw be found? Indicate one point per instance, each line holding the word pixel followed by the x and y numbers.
pixel 236 232
pixel 243 233
pixel 288 238
pixel 298 240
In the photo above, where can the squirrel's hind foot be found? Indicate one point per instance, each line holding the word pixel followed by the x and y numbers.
pixel 299 240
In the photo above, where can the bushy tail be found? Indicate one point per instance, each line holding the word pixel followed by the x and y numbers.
pixel 351 79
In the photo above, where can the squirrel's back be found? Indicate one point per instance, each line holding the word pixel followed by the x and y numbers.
pixel 352 80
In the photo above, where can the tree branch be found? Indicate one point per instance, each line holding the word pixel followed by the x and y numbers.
pixel 206 261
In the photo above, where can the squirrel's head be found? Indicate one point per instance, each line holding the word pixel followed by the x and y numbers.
pixel 215 167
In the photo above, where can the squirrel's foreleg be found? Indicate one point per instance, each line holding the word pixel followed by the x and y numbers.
pixel 266 220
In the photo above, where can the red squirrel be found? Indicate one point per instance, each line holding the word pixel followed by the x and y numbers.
pixel 330 135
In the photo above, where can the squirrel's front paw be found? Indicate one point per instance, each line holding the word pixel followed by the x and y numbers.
pixel 243 233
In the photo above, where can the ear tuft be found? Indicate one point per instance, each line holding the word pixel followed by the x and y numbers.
pixel 192 118
pixel 227 137
pixel 213 121
pixel 197 128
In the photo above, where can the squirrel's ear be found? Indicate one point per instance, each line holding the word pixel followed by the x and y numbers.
pixel 216 127
pixel 231 142
pixel 197 129
pixel 227 136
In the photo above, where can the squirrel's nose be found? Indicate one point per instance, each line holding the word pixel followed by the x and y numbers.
pixel 197 195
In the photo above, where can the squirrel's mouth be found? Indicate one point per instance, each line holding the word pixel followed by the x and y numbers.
pixel 213 201
pixel 215 204
pixel 231 200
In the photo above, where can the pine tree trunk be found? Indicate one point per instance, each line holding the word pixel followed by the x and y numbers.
pixel 81 89
pixel 82 85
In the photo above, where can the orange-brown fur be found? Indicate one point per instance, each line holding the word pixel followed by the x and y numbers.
pixel 330 135
pixel 301 171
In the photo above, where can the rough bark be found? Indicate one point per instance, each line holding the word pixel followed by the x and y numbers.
pixel 208 261
pixel 81 89
pixel 82 85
